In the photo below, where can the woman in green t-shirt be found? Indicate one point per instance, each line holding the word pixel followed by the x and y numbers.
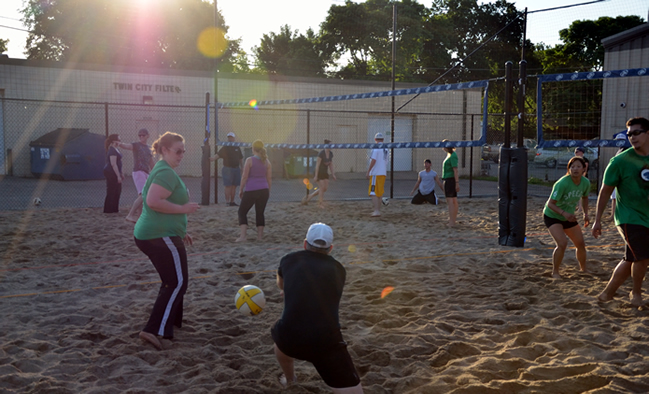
pixel 161 234
pixel 559 213
pixel 451 181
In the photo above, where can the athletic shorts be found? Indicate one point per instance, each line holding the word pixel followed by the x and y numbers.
pixel 449 187
pixel 419 198
pixel 139 178
pixel 636 238
pixel 231 176
pixel 377 182
pixel 551 221
pixel 333 363
pixel 323 175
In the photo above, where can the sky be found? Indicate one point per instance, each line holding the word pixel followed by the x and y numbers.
pixel 250 19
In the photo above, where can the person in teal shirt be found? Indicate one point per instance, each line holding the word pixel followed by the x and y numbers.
pixel 628 172
pixel 451 181
pixel 161 234
pixel 559 214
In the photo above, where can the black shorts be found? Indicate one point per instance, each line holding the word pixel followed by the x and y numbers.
pixel 333 362
pixel 449 187
pixel 636 238
pixel 323 175
pixel 551 221
pixel 419 198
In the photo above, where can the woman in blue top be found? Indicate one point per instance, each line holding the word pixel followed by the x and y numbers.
pixel 113 173
pixel 559 213
pixel 161 232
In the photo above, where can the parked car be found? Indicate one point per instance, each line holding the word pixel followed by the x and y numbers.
pixel 492 152
pixel 551 157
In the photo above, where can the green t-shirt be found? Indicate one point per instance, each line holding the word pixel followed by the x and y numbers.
pixel 152 224
pixel 567 195
pixel 629 173
pixel 449 163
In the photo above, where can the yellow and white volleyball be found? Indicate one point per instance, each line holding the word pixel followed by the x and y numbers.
pixel 250 300
pixel 37 201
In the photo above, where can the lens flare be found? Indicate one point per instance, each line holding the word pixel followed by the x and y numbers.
pixel 253 104
pixel 386 291
pixel 352 248
pixel 306 181
pixel 212 43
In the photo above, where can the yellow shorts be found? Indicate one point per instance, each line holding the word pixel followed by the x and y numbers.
pixel 377 182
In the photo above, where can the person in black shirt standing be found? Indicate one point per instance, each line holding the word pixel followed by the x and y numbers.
pixel 231 172
pixel 323 166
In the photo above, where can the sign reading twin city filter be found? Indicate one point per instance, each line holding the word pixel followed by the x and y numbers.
pixel 145 87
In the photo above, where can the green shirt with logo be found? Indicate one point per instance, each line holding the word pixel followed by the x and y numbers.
pixel 153 224
pixel 449 163
pixel 629 173
pixel 567 196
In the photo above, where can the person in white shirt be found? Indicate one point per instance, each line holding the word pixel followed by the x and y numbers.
pixel 376 173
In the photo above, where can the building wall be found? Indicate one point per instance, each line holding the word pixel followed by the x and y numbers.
pixel 125 100
pixel 624 98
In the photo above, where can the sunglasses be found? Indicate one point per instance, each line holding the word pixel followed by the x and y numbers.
pixel 635 132
pixel 143 135
pixel 180 152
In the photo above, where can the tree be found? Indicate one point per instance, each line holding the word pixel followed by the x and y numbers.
pixel 3 45
pixel 582 49
pixel 122 32
pixel 290 53
pixel 363 33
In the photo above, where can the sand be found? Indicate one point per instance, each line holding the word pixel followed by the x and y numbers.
pixel 465 316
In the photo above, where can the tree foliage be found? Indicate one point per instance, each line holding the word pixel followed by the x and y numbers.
pixel 582 49
pixel 123 32
pixel 3 45
pixel 291 53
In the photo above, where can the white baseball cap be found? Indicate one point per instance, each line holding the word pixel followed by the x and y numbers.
pixel 621 136
pixel 231 134
pixel 320 235
pixel 378 136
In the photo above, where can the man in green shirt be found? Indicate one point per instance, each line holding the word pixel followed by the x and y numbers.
pixel 629 173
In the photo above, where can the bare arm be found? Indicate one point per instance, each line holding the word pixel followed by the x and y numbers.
pixel 215 158
pixel 457 179
pixel 584 206
pixel 333 173
pixel 317 168
pixel 113 164
pixel 244 176
pixel 269 174
pixel 439 183
pixel 280 284
pixel 416 185
pixel 372 162
pixel 125 146
pixel 602 200
pixel 552 204
pixel 156 199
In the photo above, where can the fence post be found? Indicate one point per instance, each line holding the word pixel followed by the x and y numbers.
pixel 308 151
pixel 106 118
pixel 205 157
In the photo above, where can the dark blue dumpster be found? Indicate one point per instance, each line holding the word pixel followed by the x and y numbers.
pixel 68 154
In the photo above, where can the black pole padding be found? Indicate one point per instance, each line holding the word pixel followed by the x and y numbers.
pixel 503 195
pixel 512 201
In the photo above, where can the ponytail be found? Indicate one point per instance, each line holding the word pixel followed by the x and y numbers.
pixel 258 146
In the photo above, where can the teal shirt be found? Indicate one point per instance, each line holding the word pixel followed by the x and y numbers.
pixel 152 224
pixel 567 195
pixel 629 173
pixel 447 167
